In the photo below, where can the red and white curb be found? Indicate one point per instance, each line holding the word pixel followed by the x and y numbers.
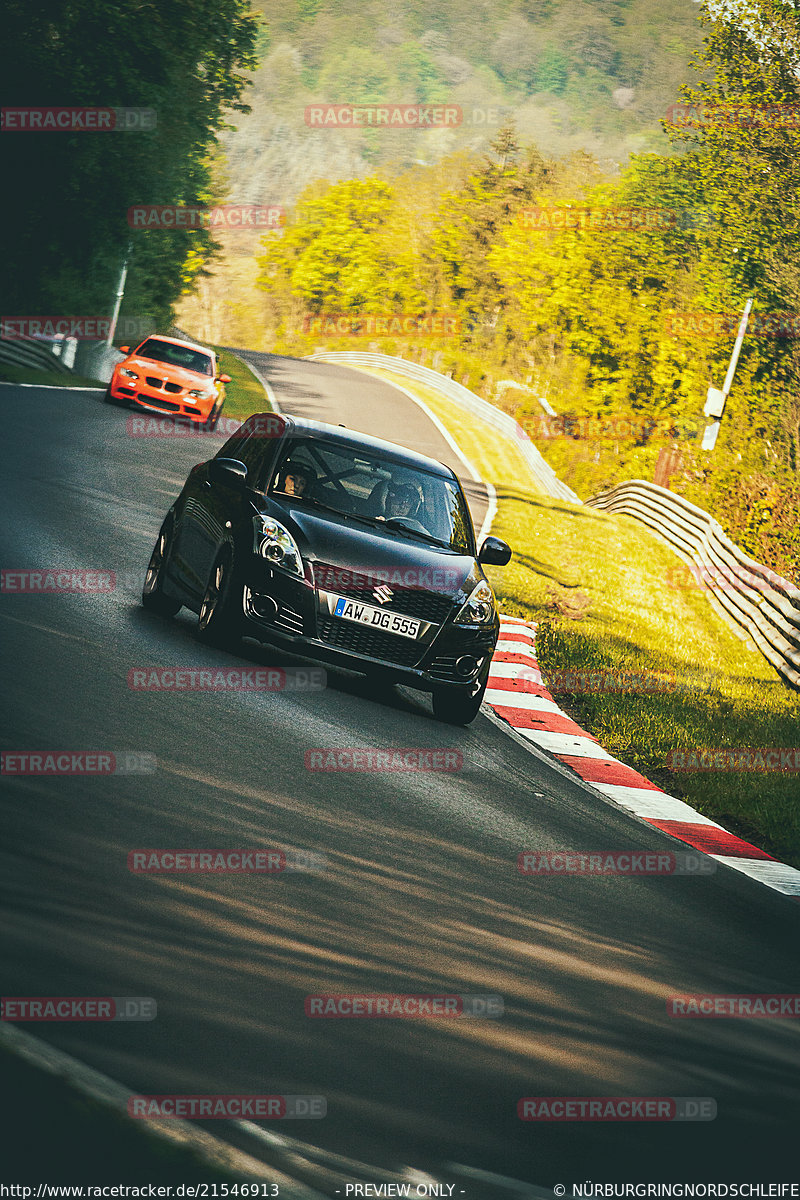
pixel 517 693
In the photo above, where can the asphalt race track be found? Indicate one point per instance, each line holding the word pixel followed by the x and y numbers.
pixel 420 892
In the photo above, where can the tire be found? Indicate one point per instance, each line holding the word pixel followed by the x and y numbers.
pixel 220 620
pixel 213 417
pixel 153 597
pixel 458 705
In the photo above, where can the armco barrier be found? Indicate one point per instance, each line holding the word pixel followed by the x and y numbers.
pixel 542 472
pixel 26 352
pixel 760 603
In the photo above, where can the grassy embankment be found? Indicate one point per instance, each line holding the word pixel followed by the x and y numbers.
pixel 608 595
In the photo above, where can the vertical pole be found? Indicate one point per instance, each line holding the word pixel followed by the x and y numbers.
pixel 120 293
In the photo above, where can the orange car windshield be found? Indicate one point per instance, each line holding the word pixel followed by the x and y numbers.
pixel 176 356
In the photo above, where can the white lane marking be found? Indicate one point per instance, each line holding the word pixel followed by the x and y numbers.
pixel 491 512
pixel 505 670
pixel 564 743
pixel 656 805
pixel 776 875
pixel 516 647
pixel 500 699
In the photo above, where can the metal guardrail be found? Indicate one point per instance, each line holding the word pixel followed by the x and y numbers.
pixel 763 605
pixel 542 472
pixel 26 352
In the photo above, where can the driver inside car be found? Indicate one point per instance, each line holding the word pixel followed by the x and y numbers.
pixel 403 501
pixel 295 479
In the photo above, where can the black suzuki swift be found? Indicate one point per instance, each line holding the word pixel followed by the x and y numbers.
pixel 339 547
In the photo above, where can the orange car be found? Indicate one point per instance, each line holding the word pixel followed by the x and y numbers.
pixel 165 375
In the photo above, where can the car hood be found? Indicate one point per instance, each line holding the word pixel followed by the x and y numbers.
pixel 349 553
pixel 188 379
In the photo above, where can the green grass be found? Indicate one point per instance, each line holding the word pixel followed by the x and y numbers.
pixel 606 594
pixel 244 395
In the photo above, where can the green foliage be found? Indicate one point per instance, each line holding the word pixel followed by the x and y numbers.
pixel 597 319
pixel 65 216
pixel 552 71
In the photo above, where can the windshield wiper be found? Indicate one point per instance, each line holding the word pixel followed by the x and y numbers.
pixel 321 504
pixel 399 523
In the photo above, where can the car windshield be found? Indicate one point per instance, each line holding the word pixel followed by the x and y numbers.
pixel 368 486
pixel 176 356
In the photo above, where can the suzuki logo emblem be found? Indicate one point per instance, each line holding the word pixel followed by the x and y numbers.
pixel 383 594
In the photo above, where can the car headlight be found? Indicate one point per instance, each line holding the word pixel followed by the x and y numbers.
pixel 201 394
pixel 128 374
pixel 479 609
pixel 273 542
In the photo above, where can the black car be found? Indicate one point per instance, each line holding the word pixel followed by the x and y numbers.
pixel 338 547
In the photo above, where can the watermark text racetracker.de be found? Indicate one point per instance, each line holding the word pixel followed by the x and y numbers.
pixel 77 120
pixel 386 324
pixel 226 1107
pixel 263 425
pixel 726 324
pixel 613 862
pixel 606 428
pixel 617 1108
pixel 763 1006
pixel 78 1008
pixel 221 216
pixel 49 581
pixel 728 116
pixel 83 328
pixel 77 762
pixel 228 679
pixel 736 758
pixel 367 758
pixel 383 116
pixel 576 681
pixel 619 219
pixel 394 1005
pixel 252 861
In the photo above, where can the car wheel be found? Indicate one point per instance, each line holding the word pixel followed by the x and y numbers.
pixel 220 619
pixel 109 399
pixel 458 705
pixel 212 419
pixel 153 596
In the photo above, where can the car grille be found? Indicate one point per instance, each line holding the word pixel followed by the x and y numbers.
pixel 167 405
pixel 152 382
pixel 288 619
pixel 172 387
pixel 444 667
pixel 412 602
pixel 346 635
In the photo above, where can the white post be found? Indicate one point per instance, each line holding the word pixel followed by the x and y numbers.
pixel 120 293
pixel 715 399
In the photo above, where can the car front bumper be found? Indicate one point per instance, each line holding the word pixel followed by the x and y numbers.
pixel 290 613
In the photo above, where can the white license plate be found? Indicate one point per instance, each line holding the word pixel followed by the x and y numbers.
pixel 376 618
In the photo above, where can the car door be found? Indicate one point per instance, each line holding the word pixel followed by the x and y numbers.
pixel 213 509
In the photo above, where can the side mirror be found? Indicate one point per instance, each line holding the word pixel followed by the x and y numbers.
pixel 224 378
pixel 124 349
pixel 494 552
pixel 229 471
